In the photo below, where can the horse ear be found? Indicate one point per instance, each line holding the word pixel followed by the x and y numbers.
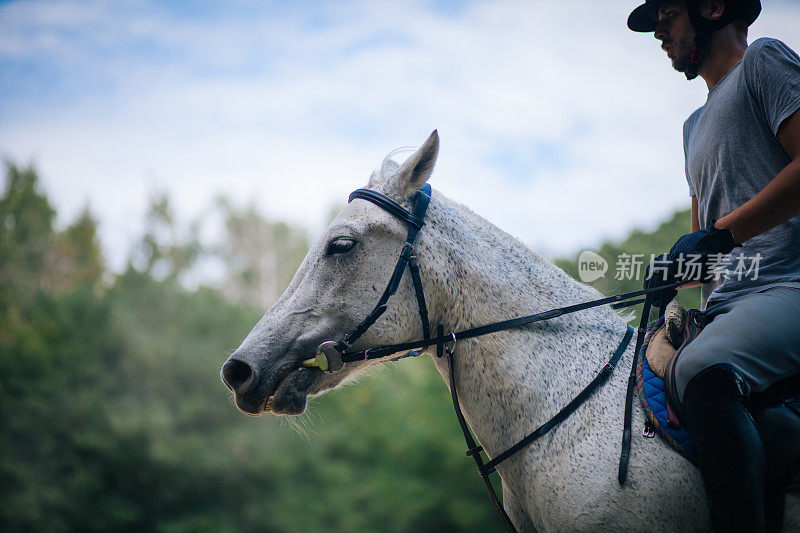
pixel 418 168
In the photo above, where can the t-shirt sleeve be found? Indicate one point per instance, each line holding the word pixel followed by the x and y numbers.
pixel 686 129
pixel 689 180
pixel 774 77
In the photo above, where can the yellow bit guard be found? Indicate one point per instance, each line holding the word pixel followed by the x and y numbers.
pixel 320 361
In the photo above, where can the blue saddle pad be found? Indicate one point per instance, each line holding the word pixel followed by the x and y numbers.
pixel 654 402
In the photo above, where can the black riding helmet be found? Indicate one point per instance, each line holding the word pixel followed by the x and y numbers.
pixel 645 18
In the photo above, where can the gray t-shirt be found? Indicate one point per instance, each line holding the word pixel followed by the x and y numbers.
pixel 732 152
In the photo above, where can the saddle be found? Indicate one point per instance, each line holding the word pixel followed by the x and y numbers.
pixel 655 380
pixel 680 327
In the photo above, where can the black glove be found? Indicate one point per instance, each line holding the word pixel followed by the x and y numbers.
pixel 689 259
pixel 696 248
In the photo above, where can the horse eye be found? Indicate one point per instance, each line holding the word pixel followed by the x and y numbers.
pixel 340 245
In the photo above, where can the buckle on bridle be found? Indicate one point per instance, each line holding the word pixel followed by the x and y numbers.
pixel 407 251
pixel 452 348
pixel 474 451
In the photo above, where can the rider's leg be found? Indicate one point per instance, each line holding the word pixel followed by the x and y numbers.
pixel 728 446
pixel 778 423
pixel 751 342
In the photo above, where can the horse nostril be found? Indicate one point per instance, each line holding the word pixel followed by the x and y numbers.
pixel 237 375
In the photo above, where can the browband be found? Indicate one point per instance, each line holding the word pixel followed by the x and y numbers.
pixel 392 206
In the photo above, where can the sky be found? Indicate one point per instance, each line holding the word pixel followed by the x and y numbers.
pixel 556 122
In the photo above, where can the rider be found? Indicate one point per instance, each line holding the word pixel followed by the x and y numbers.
pixel 743 169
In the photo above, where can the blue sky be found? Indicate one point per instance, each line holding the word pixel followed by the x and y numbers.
pixel 556 123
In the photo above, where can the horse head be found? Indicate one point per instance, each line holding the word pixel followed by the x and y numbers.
pixel 335 288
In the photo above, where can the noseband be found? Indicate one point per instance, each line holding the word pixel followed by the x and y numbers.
pixel 331 355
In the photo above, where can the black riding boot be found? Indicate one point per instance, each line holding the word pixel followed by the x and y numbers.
pixel 729 448
pixel 779 427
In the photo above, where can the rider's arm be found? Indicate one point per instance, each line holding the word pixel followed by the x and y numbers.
pixel 779 200
pixel 695 227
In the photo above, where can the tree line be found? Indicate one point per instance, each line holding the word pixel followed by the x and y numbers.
pixel 113 417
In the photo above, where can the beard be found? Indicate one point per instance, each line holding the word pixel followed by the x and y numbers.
pixel 687 49
pixel 682 60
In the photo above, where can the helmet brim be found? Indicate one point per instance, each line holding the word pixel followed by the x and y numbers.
pixel 750 11
pixel 645 17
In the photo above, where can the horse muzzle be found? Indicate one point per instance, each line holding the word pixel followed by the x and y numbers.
pixel 280 391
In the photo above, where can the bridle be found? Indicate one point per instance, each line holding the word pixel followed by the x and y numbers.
pixel 331 355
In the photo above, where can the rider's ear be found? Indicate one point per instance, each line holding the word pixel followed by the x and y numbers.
pixel 712 9
pixel 418 168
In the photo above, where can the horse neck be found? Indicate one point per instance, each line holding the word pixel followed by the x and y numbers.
pixel 510 382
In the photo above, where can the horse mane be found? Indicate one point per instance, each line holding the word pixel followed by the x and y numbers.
pixel 543 275
pixel 542 272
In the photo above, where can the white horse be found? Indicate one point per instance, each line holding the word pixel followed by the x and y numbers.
pixel 508 382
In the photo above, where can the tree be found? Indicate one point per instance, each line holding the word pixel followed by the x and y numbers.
pixel 26 229
pixel 76 257
pixel 259 256
pixel 26 237
pixel 166 250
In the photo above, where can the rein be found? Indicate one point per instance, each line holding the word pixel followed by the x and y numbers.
pixel 331 355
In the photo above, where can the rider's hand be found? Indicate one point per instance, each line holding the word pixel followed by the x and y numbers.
pixel 699 248
pixel 689 259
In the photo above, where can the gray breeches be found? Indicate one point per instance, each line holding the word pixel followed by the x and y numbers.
pixel 758 334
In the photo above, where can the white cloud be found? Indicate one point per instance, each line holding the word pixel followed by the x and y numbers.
pixel 292 108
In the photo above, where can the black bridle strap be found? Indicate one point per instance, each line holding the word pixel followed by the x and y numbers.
pixel 380 307
pixel 415 220
pixel 473 449
pixel 627 432
pixel 568 409
pixel 421 305
pixel 618 301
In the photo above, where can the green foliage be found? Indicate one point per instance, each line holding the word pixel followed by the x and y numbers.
pixel 27 219
pixel 113 417
pixel 260 256
pixel 163 252
pixel 77 259
pixel 26 235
